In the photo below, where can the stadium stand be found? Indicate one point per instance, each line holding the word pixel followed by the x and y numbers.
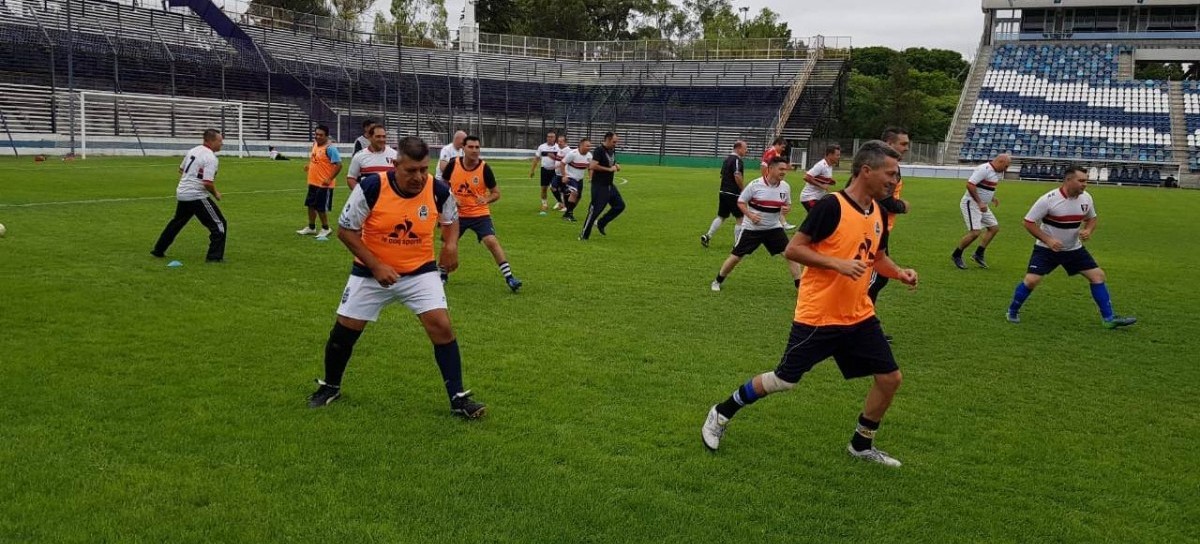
pixel 1054 85
pixel 290 79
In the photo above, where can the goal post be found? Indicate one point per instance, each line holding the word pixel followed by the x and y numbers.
pixel 147 117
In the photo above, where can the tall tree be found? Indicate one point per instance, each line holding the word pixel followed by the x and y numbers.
pixel 497 16
pixel 314 7
pixel 417 19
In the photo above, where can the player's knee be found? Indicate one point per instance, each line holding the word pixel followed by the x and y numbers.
pixel 1097 276
pixel 439 329
pixel 889 382
pixel 772 383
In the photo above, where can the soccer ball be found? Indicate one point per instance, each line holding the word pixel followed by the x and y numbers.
pixel 3 230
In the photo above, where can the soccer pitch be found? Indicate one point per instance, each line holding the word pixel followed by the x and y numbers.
pixel 149 404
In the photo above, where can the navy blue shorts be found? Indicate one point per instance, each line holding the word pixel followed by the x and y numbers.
pixel 319 198
pixel 556 183
pixel 481 225
pixel 575 186
pixel 1044 261
pixel 859 350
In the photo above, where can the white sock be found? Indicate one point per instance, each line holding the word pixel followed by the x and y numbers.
pixel 716 224
pixel 543 203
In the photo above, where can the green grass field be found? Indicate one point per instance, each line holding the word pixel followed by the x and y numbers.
pixel 148 404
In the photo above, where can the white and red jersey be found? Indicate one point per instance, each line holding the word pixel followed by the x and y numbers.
pixel 985 178
pixel 561 156
pixel 577 164
pixel 548 153
pixel 372 162
pixel 767 201
pixel 822 172
pixel 1062 216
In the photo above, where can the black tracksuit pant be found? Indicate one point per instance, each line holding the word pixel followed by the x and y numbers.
pixel 209 215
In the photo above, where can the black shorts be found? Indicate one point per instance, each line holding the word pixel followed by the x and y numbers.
pixel 482 226
pixel 319 198
pixel 1045 260
pixel 859 350
pixel 547 176
pixel 776 241
pixel 727 206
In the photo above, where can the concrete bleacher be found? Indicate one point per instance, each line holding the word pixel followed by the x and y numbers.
pixel 695 105
pixel 1191 113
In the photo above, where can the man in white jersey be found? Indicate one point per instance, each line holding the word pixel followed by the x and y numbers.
pixel 1061 221
pixel 556 184
pixel 546 156
pixel 574 169
pixel 819 179
pixel 364 141
pixel 763 202
pixel 976 209
pixel 197 173
pixel 450 151
pixel 377 158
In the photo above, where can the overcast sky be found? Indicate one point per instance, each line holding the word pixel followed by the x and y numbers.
pixel 946 24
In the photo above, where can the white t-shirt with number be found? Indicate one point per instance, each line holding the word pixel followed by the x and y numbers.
pixel 812 192
pixel 198 166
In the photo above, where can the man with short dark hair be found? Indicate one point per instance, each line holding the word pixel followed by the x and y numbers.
pixel 388 224
pixel 763 204
pixel 604 167
pixel 324 165
pixel 732 182
pixel 575 165
pixel 1061 221
pixel 777 149
pixel 896 138
pixel 364 141
pixel 841 241
pixel 546 155
pixel 197 175
pixel 376 158
pixel 475 189
pixel 819 179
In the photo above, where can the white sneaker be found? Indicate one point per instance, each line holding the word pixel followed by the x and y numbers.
pixel 324 233
pixel 716 286
pixel 789 226
pixel 873 455
pixel 306 231
pixel 558 207
pixel 713 429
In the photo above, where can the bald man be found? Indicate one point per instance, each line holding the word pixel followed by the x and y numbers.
pixel 451 151
pixel 976 209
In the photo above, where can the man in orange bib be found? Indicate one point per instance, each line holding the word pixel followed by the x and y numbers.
pixel 324 165
pixel 389 223
pixel 841 241
pixel 474 187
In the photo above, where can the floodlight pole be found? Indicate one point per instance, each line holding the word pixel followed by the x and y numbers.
pixel 71 74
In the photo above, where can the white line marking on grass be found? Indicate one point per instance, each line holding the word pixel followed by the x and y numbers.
pixel 136 199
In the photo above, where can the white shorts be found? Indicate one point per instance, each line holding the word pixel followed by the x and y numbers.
pixel 975 219
pixel 364 298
